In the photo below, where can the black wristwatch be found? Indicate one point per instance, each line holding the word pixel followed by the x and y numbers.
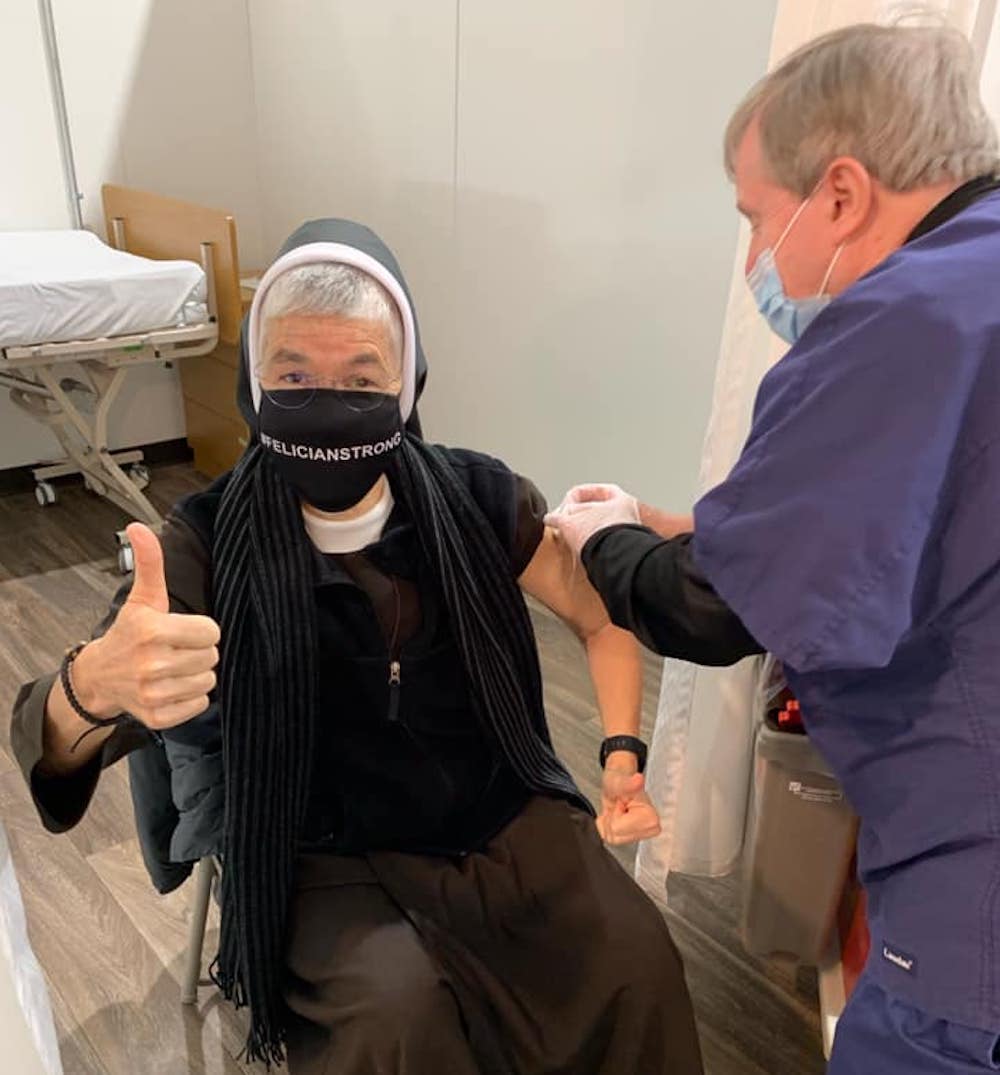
pixel 624 742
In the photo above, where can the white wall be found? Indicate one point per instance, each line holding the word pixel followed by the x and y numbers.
pixel 596 232
pixel 549 176
pixel 160 96
pixel 31 185
pixel 362 125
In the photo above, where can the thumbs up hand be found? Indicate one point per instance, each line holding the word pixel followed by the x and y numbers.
pixel 149 584
pixel 157 665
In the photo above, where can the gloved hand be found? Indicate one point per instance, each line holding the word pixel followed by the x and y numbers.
pixel 627 813
pixel 586 509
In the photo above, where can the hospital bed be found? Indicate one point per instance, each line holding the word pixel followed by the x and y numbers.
pixel 77 316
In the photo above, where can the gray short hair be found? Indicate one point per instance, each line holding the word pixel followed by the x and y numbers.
pixel 332 289
pixel 902 100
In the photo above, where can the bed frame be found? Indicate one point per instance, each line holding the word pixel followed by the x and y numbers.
pixel 150 226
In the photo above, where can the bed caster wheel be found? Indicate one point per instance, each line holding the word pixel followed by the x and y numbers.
pixel 126 560
pixel 45 494
pixel 139 475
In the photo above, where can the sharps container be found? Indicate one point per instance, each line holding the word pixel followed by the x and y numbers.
pixel 800 844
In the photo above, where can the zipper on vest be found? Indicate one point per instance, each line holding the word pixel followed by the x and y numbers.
pixel 395 667
pixel 395 682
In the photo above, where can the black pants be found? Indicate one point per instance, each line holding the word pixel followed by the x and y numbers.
pixel 536 956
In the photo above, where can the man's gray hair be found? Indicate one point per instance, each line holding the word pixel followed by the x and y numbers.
pixel 902 100
pixel 332 289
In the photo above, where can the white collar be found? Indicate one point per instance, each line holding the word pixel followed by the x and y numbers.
pixel 350 535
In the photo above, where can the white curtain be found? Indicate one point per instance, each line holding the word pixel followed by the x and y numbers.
pixel 700 755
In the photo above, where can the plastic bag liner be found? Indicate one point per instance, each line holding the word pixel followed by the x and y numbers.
pixel 30 1046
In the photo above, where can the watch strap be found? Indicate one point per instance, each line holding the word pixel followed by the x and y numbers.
pixel 630 743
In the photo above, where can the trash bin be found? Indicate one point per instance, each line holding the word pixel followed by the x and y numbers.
pixel 801 840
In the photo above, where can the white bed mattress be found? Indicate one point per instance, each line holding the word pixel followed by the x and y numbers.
pixel 57 286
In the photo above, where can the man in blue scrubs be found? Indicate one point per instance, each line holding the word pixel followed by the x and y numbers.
pixel 858 536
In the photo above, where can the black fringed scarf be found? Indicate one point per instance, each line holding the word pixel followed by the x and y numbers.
pixel 264 603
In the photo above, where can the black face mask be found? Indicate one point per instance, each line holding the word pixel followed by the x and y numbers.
pixel 329 445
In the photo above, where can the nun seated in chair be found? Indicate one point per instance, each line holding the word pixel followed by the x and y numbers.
pixel 412 882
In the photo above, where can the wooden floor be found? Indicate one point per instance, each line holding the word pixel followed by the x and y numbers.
pixel 112 949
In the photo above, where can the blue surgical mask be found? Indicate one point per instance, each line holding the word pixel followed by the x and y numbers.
pixel 788 317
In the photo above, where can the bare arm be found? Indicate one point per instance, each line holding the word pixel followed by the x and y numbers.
pixel 667 526
pixel 556 578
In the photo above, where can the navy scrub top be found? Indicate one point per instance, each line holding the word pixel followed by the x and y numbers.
pixel 858 539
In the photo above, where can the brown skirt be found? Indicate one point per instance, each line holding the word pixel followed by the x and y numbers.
pixel 537 956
